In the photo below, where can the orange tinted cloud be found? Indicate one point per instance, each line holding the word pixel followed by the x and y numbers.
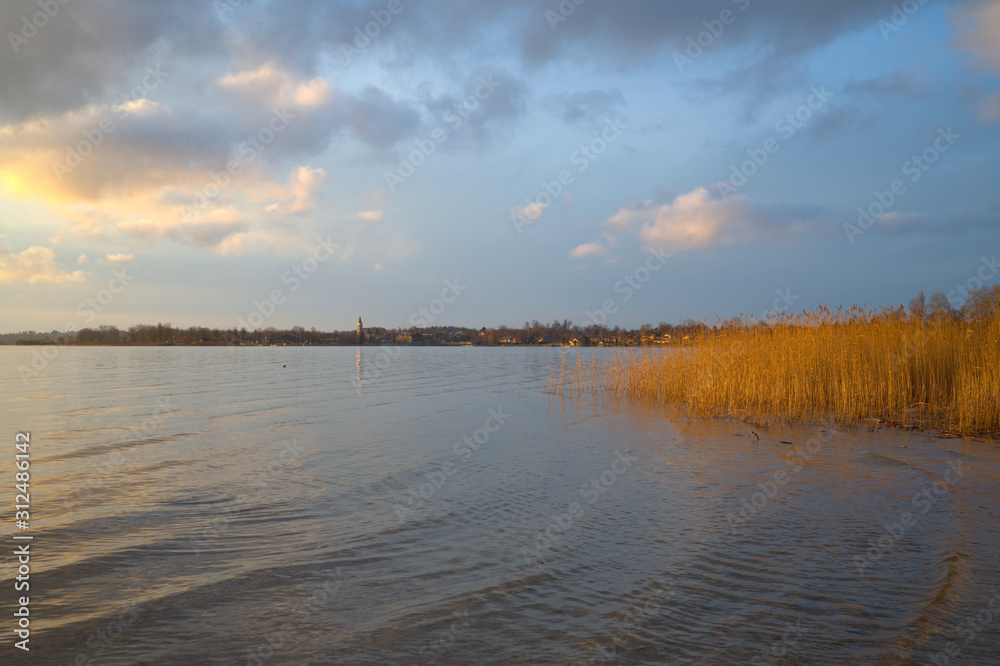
pixel 36 264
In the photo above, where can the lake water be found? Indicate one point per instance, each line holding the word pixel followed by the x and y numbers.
pixel 443 505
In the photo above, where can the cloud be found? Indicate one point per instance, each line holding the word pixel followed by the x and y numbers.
pixel 588 250
pixel 481 110
pixel 271 85
pixel 226 75
pixel 96 50
pixel 977 30
pixel 208 231
pixel 588 107
pixel 901 223
pixel 369 215
pixel 989 108
pixel 36 264
pixel 380 120
pixel 700 219
pixel 119 259
pixel 608 34
pixel 104 150
pixel 648 26
pixel 532 211
pixel 147 170
pixel 865 103
pixel 278 238
pixel 297 198
pixel 89 51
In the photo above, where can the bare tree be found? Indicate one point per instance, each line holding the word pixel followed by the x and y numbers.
pixel 938 307
pixel 918 307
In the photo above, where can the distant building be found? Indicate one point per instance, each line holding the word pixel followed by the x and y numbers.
pixel 361 331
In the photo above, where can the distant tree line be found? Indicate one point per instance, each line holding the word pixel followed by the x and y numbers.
pixel 976 305
pixel 35 338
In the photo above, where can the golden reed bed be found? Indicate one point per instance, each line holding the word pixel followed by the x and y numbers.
pixel 851 366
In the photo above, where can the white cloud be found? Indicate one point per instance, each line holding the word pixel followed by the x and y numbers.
pixel 370 215
pixel 589 250
pixel 316 92
pixel 36 264
pixel 119 259
pixel 277 240
pixel 698 219
pixel 140 107
pixel 532 211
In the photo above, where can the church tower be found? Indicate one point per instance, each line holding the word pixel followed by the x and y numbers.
pixel 361 331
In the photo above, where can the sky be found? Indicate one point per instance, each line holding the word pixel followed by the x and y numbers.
pixel 252 163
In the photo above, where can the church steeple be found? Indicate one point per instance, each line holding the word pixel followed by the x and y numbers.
pixel 361 331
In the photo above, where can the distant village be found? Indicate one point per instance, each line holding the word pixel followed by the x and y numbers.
pixel 556 334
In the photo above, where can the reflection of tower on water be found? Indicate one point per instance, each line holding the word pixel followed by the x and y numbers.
pixel 357 385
